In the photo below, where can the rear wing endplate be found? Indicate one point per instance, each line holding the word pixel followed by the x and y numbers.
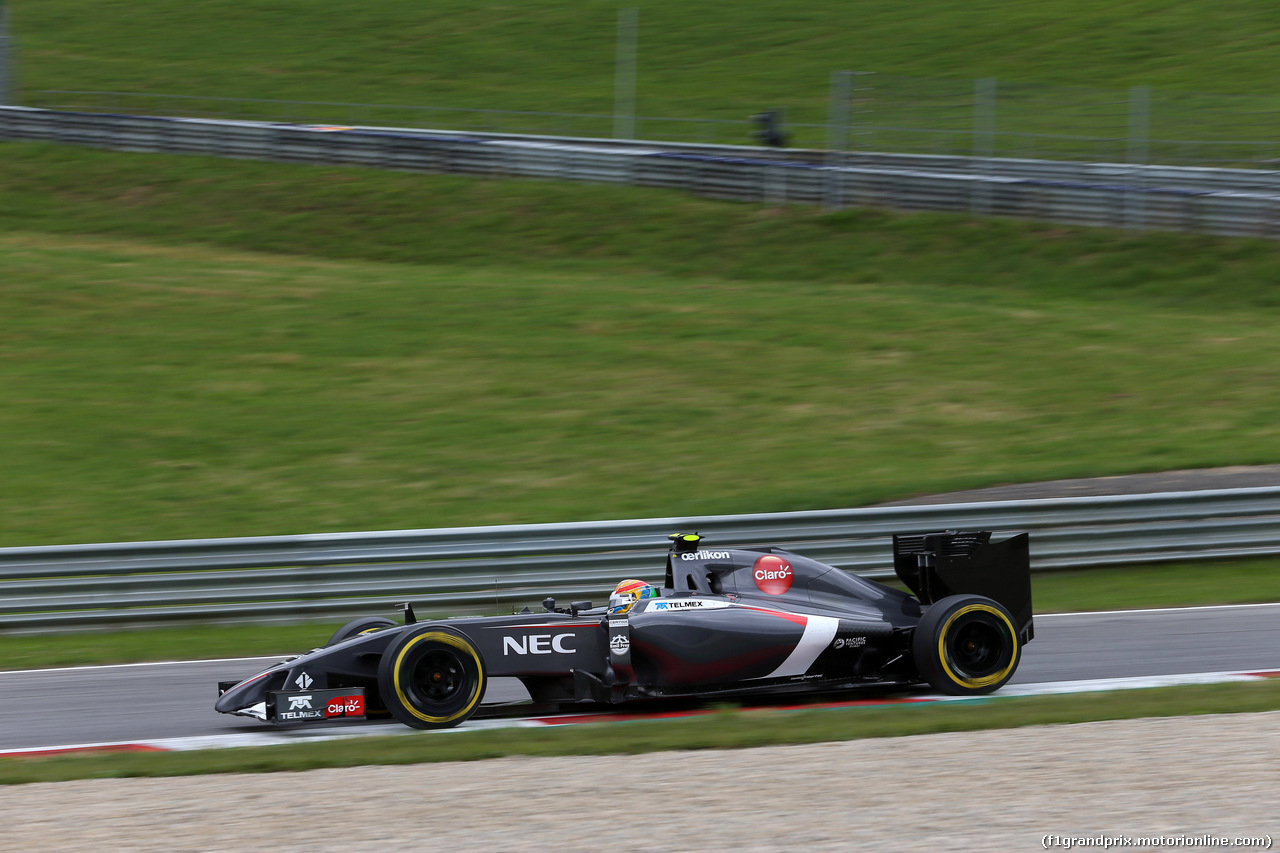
pixel 935 565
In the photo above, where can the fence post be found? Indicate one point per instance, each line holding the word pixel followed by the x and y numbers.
pixel 984 138
pixel 8 61
pixel 624 76
pixel 1135 208
pixel 837 137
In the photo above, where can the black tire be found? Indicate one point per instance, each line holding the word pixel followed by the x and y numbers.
pixel 363 625
pixel 432 677
pixel 966 645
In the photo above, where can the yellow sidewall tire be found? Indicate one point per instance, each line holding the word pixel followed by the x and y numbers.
pixel 937 629
pixel 997 677
pixel 359 627
pixel 406 700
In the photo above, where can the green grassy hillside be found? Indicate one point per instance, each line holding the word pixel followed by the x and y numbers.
pixel 713 58
pixel 201 347
pixel 198 347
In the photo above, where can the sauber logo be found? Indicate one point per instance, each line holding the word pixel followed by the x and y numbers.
pixel 538 644
pixel 772 574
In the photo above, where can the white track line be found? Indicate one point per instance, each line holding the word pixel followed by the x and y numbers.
pixel 88 667
pixel 274 658
pixel 1149 610
pixel 253 739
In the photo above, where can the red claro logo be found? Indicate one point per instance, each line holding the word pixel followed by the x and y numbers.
pixel 773 574
pixel 345 706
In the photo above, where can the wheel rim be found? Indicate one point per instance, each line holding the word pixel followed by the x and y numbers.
pixel 975 649
pixel 979 648
pixel 433 678
pixel 439 678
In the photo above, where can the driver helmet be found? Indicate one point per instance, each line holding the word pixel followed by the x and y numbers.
pixel 627 593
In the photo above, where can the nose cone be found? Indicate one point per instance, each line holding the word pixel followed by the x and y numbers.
pixel 251 691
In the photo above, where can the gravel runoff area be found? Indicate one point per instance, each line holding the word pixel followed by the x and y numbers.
pixel 993 790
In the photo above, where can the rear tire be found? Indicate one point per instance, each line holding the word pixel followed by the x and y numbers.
pixel 966 645
pixel 356 627
pixel 432 677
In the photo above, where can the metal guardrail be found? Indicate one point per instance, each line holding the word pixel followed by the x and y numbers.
pixel 1234 202
pixel 490 569
pixel 867 111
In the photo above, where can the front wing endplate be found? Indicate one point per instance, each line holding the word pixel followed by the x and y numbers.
pixel 304 706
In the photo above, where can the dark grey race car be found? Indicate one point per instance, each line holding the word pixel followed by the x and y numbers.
pixel 725 622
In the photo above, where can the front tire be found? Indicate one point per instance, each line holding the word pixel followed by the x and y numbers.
pixel 966 645
pixel 432 677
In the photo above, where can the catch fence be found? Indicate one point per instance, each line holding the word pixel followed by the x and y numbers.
pixel 1235 202
pixel 862 112
pixel 492 569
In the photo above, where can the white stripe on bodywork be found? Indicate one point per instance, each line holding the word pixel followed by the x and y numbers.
pixel 819 631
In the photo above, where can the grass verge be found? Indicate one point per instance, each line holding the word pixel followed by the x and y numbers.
pixel 727 729
pixel 357 213
pixel 238 357
pixel 1172 585
pixel 716 58
pixel 1237 582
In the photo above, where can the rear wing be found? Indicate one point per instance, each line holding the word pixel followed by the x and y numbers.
pixel 935 565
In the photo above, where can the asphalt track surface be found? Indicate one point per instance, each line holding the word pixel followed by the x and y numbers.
pixel 136 702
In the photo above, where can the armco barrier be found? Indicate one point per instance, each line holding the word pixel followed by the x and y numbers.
pixel 1238 202
pixel 493 569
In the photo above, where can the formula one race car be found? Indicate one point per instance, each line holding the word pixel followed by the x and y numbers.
pixel 724 623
